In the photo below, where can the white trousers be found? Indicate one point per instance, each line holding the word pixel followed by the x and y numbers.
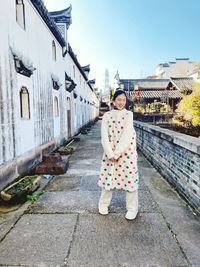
pixel 131 199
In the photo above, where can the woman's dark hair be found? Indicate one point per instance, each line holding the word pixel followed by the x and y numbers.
pixel 118 92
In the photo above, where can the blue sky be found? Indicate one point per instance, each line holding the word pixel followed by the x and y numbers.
pixel 131 36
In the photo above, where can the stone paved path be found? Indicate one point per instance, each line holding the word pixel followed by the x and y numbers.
pixel 63 228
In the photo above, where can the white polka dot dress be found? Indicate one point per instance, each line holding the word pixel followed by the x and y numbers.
pixel 118 139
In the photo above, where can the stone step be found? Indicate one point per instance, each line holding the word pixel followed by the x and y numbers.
pixel 59 167
pixel 51 158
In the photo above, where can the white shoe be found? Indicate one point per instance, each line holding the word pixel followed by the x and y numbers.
pixel 131 215
pixel 103 210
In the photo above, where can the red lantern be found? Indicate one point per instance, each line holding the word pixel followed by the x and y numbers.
pixel 138 93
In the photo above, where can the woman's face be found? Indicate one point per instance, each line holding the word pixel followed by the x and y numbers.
pixel 120 101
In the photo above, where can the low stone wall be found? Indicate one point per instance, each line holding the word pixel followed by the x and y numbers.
pixel 175 155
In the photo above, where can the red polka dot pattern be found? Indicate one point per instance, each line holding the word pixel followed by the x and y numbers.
pixel 122 174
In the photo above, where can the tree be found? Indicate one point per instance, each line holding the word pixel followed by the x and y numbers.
pixel 189 107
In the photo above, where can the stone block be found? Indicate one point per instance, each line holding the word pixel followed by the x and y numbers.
pixel 52 168
pixel 52 158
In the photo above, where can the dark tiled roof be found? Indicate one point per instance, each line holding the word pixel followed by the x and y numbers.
pixel 146 84
pixel 63 16
pixel 86 68
pixel 92 81
pixel 42 10
pixel 183 83
pixel 150 94
pixel 78 65
pixel 186 58
pixel 165 65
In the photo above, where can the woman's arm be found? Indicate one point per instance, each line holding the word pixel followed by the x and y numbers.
pixel 104 137
pixel 126 136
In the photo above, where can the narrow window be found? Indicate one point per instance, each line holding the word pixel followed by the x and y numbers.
pixel 20 13
pixel 24 102
pixel 68 103
pixel 56 111
pixel 74 71
pixel 53 51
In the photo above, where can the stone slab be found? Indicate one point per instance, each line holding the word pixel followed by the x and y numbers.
pixel 90 164
pixel 72 201
pixel 8 220
pixel 114 241
pixel 186 226
pixel 74 183
pixel 142 162
pixel 73 171
pixel 162 191
pixel 63 183
pixel 89 183
pixel 81 201
pixel 38 240
pixel 146 203
pixel 83 167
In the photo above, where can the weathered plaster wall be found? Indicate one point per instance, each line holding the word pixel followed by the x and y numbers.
pixel 22 140
pixel 175 155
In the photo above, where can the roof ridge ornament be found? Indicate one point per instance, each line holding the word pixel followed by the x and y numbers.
pixel 62 16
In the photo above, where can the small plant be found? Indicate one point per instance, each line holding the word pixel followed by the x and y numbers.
pixel 71 148
pixel 18 190
pixel 35 197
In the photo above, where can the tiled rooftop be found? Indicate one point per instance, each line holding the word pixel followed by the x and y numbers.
pixel 146 84
pixel 182 83
pixel 151 94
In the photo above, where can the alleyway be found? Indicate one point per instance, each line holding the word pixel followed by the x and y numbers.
pixel 63 228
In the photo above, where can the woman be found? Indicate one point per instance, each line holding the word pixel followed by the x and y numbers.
pixel 119 163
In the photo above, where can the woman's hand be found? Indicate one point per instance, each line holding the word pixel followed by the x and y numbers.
pixel 112 159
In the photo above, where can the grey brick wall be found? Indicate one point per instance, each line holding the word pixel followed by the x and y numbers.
pixel 175 155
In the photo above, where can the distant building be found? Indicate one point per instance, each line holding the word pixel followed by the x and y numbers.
pixel 116 80
pixel 172 81
pixel 181 67
pixel 106 81
pixel 150 90
pixel 195 74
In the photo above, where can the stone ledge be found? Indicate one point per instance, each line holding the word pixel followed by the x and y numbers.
pixel 23 163
pixel 188 142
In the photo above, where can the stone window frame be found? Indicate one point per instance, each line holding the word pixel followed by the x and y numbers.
pixel 53 50
pixel 24 103
pixel 68 103
pixel 75 109
pixel 20 13
pixel 74 71
pixel 56 106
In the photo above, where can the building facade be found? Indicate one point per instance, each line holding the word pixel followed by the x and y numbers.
pixel 181 67
pixel 45 94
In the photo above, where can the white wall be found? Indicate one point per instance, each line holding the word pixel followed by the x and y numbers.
pixel 19 136
pixel 179 68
